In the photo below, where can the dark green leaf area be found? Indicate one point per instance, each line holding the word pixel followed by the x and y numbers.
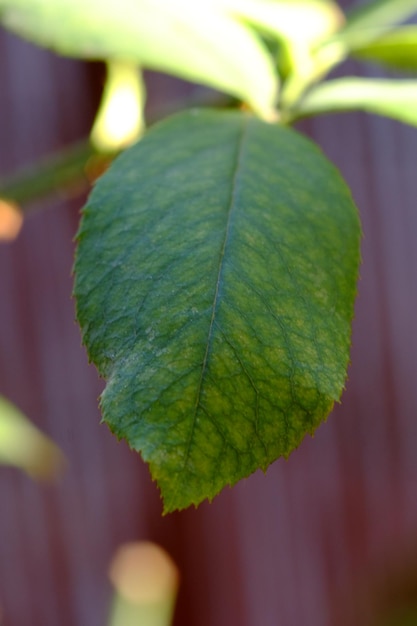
pixel 215 281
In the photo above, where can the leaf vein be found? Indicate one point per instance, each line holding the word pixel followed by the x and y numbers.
pixel 231 207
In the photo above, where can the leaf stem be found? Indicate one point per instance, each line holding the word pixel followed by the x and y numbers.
pixel 70 171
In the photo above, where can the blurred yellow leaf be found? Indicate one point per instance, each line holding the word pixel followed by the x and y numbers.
pixel 26 447
pixel 119 121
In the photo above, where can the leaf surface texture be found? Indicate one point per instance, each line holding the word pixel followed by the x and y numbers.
pixel 215 280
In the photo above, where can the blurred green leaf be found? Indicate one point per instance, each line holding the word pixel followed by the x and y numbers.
pixel 370 20
pixel 297 20
pixel 397 49
pixel 198 41
pixel 298 25
pixel 215 280
pixel 24 446
pixel 391 98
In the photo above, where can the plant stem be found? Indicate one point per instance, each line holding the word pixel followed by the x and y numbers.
pixel 67 171
pixel 72 170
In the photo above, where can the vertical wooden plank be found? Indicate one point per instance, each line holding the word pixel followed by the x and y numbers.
pixel 56 540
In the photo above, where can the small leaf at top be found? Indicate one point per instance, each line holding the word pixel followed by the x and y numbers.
pixel 369 20
pixel 215 278
pixel 198 41
pixel 295 20
pixel 298 25
pixel 390 98
pixel 397 49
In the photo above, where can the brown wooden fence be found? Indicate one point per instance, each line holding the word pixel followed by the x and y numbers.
pixel 321 539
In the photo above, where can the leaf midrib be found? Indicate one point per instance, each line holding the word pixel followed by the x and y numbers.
pixel 231 210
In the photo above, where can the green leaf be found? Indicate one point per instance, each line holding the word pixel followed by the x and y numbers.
pixel 281 18
pixel 24 446
pixel 397 49
pixel 380 12
pixel 215 279
pixel 391 98
pixel 195 40
pixel 298 25
pixel 372 19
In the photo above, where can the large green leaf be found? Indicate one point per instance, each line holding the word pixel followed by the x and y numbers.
pixel 215 280
pixel 199 41
pixel 391 98
pixel 397 49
